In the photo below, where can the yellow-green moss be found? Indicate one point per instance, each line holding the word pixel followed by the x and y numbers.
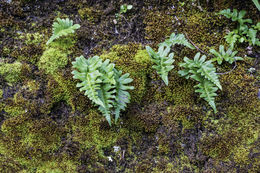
pixel 133 59
pixel 159 24
pixel 11 72
pixel 52 60
pixel 29 141
pixel 89 14
pixel 56 166
pixel 1 93
pixel 92 130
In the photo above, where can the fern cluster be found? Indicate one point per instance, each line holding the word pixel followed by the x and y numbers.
pixel 163 58
pixel 203 72
pixel 228 56
pixel 243 33
pixel 61 28
pixel 103 84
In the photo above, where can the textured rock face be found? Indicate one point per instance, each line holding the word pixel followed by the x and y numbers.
pixel 48 125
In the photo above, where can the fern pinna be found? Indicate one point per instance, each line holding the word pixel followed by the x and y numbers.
pixel 103 84
pixel 62 28
pixel 205 73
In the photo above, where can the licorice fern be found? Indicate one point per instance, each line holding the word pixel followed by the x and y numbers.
pixel 205 73
pixel 103 84
pixel 62 28
pixel 163 61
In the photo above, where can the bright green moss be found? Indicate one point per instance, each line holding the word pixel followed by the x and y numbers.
pixel 132 59
pixel 57 166
pixel 52 60
pixel 1 93
pixel 93 131
pixel 32 38
pixel 29 141
pixel 11 72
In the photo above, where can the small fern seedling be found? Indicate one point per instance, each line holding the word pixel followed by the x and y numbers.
pixel 62 28
pixel 103 85
pixel 177 39
pixel 228 56
pixel 203 72
pixel 163 61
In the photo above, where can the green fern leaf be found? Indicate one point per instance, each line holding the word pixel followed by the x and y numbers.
pixel 62 28
pixel 203 72
pixel 122 96
pixel 89 75
pixel 103 84
pixel 163 61
pixel 177 39
pixel 207 91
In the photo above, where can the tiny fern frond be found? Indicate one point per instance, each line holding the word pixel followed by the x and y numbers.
pixel 177 39
pixel 62 28
pixel 163 61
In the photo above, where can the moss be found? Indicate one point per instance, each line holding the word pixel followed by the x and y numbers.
pixel 241 155
pixel 1 93
pixel 92 130
pixel 132 59
pixel 158 25
pixel 52 60
pixel 29 141
pixel 9 165
pixel 89 14
pixel 59 88
pixel 11 72
pixel 56 166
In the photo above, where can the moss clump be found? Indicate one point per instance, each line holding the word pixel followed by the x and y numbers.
pixel 11 72
pixel 93 131
pixel 89 14
pixel 133 59
pixel 52 60
pixel 29 141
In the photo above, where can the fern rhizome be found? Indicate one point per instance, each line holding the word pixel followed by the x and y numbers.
pixel 203 72
pixel 103 84
pixel 61 28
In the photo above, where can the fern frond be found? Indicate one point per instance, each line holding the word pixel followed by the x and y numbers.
pixel 62 28
pixel 163 61
pixel 177 39
pixel 203 72
pixel 228 56
pixel 106 95
pixel 90 76
pixel 103 84
pixel 207 91
pixel 122 96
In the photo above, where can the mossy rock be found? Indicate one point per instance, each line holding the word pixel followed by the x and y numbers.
pixel 52 60
pixel 11 72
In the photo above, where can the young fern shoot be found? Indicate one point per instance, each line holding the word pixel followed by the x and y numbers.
pixel 61 28
pixel 203 72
